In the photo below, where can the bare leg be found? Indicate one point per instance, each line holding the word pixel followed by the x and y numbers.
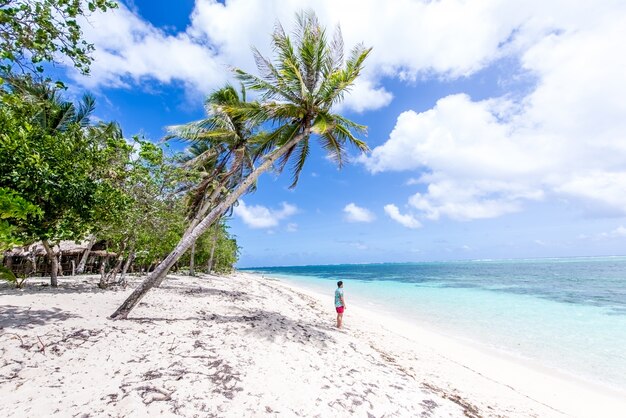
pixel 339 320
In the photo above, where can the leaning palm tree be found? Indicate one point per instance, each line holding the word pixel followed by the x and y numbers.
pixel 222 154
pixel 223 150
pixel 298 90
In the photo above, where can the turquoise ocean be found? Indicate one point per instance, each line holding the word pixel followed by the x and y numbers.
pixel 568 314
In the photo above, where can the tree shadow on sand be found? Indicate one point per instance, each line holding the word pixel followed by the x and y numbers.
pixel 230 295
pixel 22 317
pixel 263 324
pixel 39 285
pixel 200 290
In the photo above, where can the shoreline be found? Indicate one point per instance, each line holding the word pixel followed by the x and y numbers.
pixel 476 343
pixel 507 368
pixel 542 361
pixel 245 346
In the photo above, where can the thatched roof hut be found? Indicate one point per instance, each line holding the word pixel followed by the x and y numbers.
pixel 33 258
pixel 66 248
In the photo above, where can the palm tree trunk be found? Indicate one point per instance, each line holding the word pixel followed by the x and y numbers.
pixel 191 259
pixel 110 276
pixel 214 243
pixel 162 269
pixel 107 278
pixel 60 264
pixel 83 261
pixel 206 205
pixel 129 261
pixel 54 263
pixel 32 260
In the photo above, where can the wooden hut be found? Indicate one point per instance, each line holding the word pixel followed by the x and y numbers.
pixel 32 260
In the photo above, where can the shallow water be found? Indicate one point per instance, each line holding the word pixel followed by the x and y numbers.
pixel 568 314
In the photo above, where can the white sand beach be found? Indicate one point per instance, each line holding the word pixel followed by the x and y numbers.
pixel 242 346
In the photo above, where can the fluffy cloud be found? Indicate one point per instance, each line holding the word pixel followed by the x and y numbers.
pixel 405 220
pixel 355 213
pixel 566 139
pixel 130 50
pixel 257 216
pixel 449 39
pixel 364 95
pixel 475 159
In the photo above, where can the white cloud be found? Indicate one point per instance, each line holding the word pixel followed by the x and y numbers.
pixel 130 51
pixel 364 95
pixel 407 220
pixel 411 39
pixel 619 232
pixel 355 213
pixel 292 227
pixel 566 139
pixel 257 216
pixel 481 158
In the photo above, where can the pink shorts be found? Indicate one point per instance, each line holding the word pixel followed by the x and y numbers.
pixel 339 309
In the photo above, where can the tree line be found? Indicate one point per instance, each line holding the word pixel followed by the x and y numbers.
pixel 240 139
pixel 64 176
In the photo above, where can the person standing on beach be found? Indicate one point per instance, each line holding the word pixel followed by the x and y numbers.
pixel 340 304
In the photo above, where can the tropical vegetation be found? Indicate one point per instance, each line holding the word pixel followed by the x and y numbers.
pixel 64 176
pixel 297 93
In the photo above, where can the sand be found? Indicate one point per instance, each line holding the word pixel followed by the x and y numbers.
pixel 242 346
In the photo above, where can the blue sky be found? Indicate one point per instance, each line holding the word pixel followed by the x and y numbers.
pixel 497 130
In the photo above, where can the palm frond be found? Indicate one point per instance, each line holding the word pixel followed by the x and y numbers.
pixel 86 107
pixel 358 128
pixel 338 83
pixel 334 58
pixel 344 135
pixel 60 120
pixel 333 147
pixel 302 155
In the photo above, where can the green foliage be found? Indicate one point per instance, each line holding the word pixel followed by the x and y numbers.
pixel 8 276
pixel 308 76
pixel 152 220
pixel 13 207
pixel 225 255
pixel 50 156
pixel 36 31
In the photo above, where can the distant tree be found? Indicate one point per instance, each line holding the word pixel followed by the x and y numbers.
pixel 298 92
pixel 216 250
pixel 152 221
pixel 224 251
pixel 36 31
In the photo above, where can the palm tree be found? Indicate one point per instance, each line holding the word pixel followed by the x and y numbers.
pixel 222 150
pixel 297 93
pixel 222 153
